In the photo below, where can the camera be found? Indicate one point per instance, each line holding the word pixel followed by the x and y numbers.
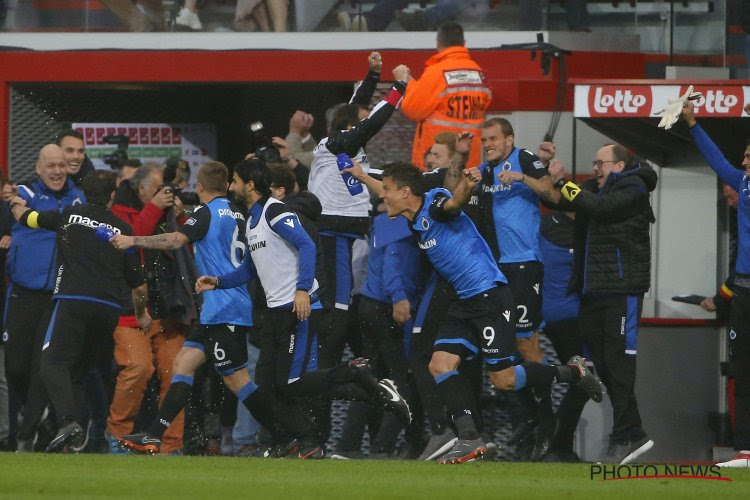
pixel 120 156
pixel 264 148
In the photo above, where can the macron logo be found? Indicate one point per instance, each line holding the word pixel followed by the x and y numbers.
pixel 289 222
pixel 506 315
pixel 85 221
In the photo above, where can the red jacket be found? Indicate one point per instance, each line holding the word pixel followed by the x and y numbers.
pixel 144 224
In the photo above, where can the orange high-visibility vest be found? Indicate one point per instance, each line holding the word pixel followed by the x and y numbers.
pixel 450 96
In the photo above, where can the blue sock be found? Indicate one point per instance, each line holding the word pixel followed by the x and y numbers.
pixel 520 377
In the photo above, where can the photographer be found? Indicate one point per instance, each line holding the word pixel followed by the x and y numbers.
pixel 145 203
pixel 177 175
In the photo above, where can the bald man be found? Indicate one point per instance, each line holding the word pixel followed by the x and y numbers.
pixel 31 272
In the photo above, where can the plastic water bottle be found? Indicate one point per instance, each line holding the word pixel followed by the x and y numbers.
pixel 107 233
pixel 353 185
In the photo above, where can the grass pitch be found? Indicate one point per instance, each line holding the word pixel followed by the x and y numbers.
pixel 97 476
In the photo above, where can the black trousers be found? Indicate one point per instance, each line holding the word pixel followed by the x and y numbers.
pixel 383 345
pixel 337 255
pixel 609 327
pixel 25 325
pixel 79 335
pixel 567 343
pixel 739 355
pixel 434 304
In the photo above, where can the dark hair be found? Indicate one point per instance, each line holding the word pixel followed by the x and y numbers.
pixel 450 34
pixel 504 124
pixel 405 174
pixel 68 133
pixel 214 176
pixel 98 186
pixel 346 115
pixel 254 170
pixel 176 170
pixel 623 154
pixel 282 176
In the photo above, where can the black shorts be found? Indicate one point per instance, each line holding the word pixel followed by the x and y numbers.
pixel 525 282
pixel 739 323
pixel 224 344
pixel 483 323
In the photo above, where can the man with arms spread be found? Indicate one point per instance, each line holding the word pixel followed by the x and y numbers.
pixel 739 287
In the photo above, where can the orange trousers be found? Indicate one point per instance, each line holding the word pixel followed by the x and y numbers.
pixel 138 356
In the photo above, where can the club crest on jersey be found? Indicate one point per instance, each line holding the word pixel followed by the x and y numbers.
pixel 425 223
pixel 506 165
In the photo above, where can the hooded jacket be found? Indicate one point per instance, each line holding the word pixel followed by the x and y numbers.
pixel 612 245
pixel 450 96
pixel 308 209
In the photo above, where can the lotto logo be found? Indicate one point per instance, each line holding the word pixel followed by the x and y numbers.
pixel 608 100
pixel 725 101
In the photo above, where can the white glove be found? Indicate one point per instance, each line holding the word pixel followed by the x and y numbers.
pixel 674 108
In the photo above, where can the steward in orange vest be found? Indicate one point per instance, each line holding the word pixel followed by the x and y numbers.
pixel 451 96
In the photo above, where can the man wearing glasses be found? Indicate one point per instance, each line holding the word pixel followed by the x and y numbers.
pixel 612 255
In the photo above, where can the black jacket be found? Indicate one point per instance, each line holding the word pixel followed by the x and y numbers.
pixel 612 243
pixel 308 208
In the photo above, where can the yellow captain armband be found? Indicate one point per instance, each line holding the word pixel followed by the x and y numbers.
pixel 570 190
pixel 31 220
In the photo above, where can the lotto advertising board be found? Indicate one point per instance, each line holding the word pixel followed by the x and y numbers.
pixel 641 100
pixel 152 142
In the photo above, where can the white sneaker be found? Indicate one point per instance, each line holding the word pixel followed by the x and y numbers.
pixel 742 459
pixel 188 18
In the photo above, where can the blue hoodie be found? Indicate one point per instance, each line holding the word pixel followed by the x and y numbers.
pixel 394 262
pixel 31 258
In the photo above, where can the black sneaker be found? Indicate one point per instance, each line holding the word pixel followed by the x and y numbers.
pixel 587 381
pixel 438 445
pixel 393 401
pixel 465 450
pixel 626 452
pixel 140 443
pixel 637 448
pixel 71 434
pixel 561 456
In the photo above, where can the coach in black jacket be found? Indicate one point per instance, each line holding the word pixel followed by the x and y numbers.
pixel 612 272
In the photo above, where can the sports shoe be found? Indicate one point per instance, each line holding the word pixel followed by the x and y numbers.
pixel 587 381
pixel 85 441
pixel 561 456
pixel 438 445
pixel 393 401
pixel 624 453
pixel 114 445
pixel 299 450
pixel 465 450
pixel 188 19
pixel 140 443
pixel 71 434
pixel 742 459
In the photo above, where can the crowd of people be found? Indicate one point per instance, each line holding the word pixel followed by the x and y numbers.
pixel 433 271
